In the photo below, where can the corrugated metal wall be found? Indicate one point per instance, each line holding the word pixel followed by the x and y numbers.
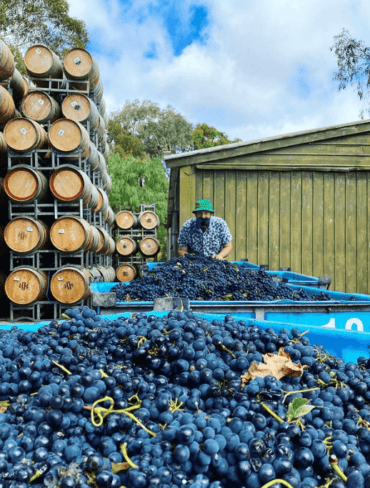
pixel 314 222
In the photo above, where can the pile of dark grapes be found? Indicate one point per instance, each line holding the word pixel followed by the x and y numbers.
pixel 179 413
pixel 202 278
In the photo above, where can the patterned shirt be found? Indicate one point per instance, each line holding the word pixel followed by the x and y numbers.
pixel 206 243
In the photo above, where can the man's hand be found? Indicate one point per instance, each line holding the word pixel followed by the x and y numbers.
pixel 218 256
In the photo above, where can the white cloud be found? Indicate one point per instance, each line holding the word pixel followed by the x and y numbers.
pixel 266 67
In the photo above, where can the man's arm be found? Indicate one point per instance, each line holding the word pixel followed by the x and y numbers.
pixel 182 250
pixel 226 250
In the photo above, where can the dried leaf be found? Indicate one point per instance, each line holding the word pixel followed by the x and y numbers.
pixel 117 467
pixel 277 365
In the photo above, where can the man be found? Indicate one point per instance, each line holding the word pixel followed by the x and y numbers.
pixel 205 234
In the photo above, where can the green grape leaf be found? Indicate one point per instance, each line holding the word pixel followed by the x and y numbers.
pixel 298 408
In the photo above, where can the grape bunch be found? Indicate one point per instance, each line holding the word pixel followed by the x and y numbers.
pixel 202 278
pixel 151 401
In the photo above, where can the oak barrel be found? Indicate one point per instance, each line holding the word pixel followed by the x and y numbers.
pixel 69 136
pixel 25 235
pixel 102 108
pixel 107 272
pixel 149 246
pixel 97 92
pixel 126 246
pixel 80 65
pixel 18 84
pixel 41 107
pixel 71 234
pixel 107 182
pixel 148 220
pixel 93 200
pixel 3 144
pixel 103 202
pixel 41 62
pixel 126 220
pixel 25 184
pixel 6 61
pixel 93 157
pixel 7 107
pixel 70 284
pixel 106 151
pixel 80 108
pixel 126 272
pixel 26 285
pixel 109 216
pixel 111 247
pixel 69 184
pixel 23 135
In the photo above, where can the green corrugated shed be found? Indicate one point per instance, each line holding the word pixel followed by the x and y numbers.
pixel 299 200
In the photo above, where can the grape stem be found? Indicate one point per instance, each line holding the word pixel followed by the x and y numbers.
pixel 125 455
pixel 287 393
pixel 61 367
pixel 280 420
pixel 101 413
pixel 283 482
pixel 334 465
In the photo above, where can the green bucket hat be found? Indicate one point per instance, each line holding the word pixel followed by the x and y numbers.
pixel 203 205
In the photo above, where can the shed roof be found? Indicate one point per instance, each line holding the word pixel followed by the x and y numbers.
pixel 238 149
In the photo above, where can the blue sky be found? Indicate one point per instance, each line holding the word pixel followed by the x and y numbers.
pixel 252 69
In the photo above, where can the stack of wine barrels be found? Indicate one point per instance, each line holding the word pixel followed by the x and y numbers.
pixel 137 241
pixel 60 114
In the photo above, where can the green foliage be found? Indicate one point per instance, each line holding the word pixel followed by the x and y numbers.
pixel 353 60
pixel 298 408
pixel 205 136
pixel 159 130
pixel 27 22
pixel 137 182
pixel 124 144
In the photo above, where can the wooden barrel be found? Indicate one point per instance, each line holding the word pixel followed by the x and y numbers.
pixel 80 65
pixel 103 202
pixel 95 273
pixel 3 144
pixel 18 85
pixel 25 235
pixel 70 284
pixel 23 135
pixel 126 246
pixel 149 246
pixel 111 247
pixel 93 157
pixel 97 92
pixel 71 234
pixel 101 129
pixel 80 108
pixel 106 151
pixel 95 240
pixel 41 62
pixel 108 273
pixel 126 220
pixel 69 184
pixel 102 164
pixel 6 61
pixel 25 184
pixel 41 107
pixel 148 220
pixel 26 285
pixel 7 107
pixel 126 272
pixel 102 108
pixel 69 136
pixel 107 182
pixel 109 216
